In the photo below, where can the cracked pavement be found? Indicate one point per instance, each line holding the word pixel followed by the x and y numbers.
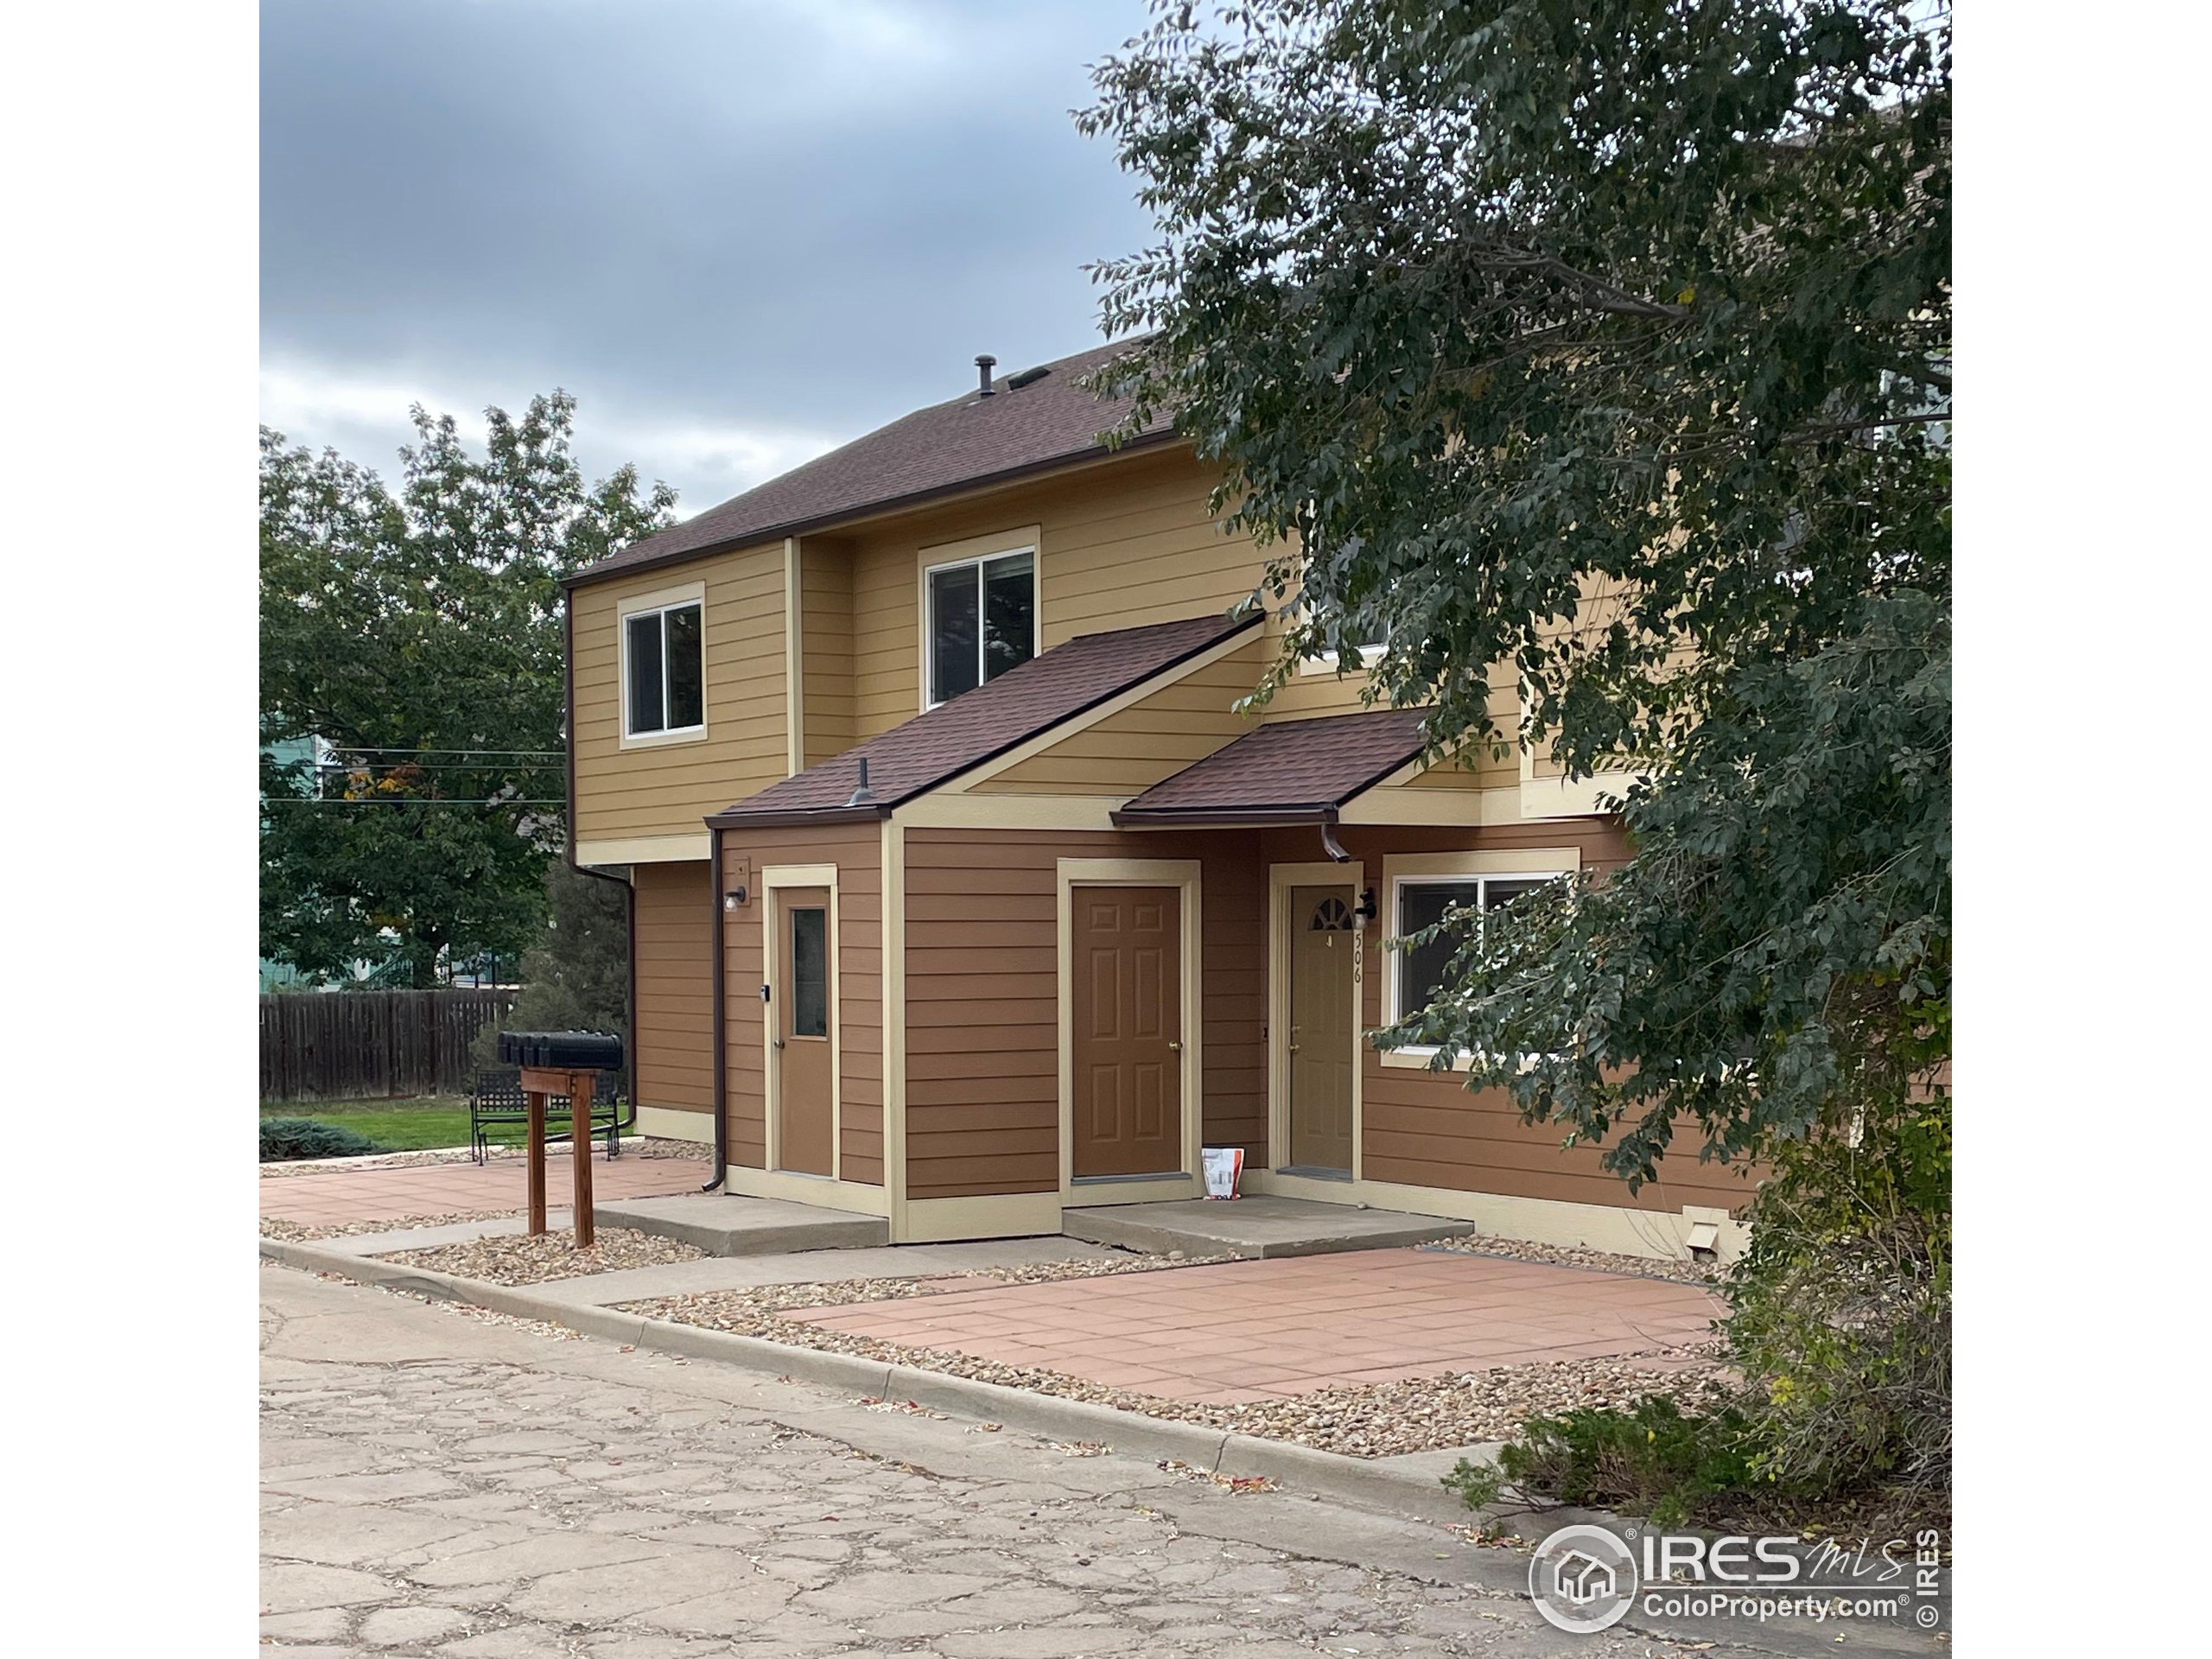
pixel 440 1482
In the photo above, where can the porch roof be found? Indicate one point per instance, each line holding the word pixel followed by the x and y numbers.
pixel 935 747
pixel 1291 771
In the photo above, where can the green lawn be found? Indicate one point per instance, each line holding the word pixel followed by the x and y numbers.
pixel 399 1125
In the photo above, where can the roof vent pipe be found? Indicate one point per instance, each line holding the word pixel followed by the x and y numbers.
pixel 984 364
pixel 862 796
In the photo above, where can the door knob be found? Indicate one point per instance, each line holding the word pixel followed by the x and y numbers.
pixel 1175 1046
pixel 779 1042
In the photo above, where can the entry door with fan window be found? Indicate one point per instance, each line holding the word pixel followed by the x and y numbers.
pixel 1324 974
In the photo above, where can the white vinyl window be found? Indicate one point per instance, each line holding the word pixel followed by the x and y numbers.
pixel 982 620
pixel 1420 902
pixel 664 670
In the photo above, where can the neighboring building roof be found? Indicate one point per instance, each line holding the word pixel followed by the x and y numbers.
pixel 933 748
pixel 1050 420
pixel 1292 771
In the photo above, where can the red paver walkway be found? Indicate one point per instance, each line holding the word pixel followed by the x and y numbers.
pixel 1255 1330
pixel 394 1193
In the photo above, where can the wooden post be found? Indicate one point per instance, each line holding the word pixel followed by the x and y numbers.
pixel 535 1101
pixel 580 1086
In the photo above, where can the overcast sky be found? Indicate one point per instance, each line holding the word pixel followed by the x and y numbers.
pixel 741 232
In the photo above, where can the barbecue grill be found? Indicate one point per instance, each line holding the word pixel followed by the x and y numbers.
pixel 564 1063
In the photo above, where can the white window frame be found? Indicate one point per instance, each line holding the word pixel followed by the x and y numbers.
pixel 660 603
pixel 1438 869
pixel 1368 656
pixel 978 552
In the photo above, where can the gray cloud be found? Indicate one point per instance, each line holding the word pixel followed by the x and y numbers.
pixel 740 232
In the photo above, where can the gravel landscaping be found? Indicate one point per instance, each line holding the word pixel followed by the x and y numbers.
pixel 519 1259
pixel 302 1232
pixel 1373 1421
pixel 1576 1256
pixel 644 1146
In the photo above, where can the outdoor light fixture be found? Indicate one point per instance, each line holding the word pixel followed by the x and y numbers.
pixel 735 897
pixel 1367 911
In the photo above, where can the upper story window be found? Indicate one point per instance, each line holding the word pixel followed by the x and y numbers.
pixel 664 670
pixel 981 621
pixel 1421 902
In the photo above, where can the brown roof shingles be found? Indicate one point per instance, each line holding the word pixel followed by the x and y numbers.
pixel 1291 769
pixel 935 747
pixel 970 439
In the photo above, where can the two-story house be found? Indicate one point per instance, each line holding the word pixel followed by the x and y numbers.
pixel 962 895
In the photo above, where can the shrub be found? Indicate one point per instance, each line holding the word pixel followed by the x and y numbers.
pixel 286 1140
pixel 1841 1308
pixel 1649 1459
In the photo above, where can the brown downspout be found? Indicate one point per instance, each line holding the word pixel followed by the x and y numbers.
pixel 718 1014
pixel 629 888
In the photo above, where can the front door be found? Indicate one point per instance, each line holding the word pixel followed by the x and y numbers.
pixel 799 1004
pixel 1126 958
pixel 1324 954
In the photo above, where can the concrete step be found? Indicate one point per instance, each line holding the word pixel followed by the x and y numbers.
pixel 1253 1227
pixel 723 1224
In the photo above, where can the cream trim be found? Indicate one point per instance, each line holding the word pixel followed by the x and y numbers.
pixel 794 664
pixel 1654 1234
pixel 893 883
pixel 1571 798
pixel 647 849
pixel 1114 705
pixel 1281 879
pixel 660 599
pixel 855 1197
pixel 1008 1215
pixel 973 549
pixel 1387 803
pixel 1398 868
pixel 1183 873
pixel 774 877
pixel 671 1124
pixel 948 809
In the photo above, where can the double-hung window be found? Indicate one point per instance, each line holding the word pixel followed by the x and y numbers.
pixel 981 621
pixel 664 671
pixel 1422 902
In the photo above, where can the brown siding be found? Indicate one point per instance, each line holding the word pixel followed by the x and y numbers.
pixel 856 850
pixel 1424 1129
pixel 674 965
pixel 982 1011
pixel 667 789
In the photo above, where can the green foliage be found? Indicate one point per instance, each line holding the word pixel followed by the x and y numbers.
pixel 577 976
pixel 418 632
pixel 1649 1460
pixel 286 1140
pixel 1607 347
pixel 1841 1316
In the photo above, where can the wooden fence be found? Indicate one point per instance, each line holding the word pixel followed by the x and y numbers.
pixel 371 1045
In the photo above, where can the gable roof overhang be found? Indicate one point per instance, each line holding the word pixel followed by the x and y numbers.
pixel 956 739
pixel 1050 424
pixel 1291 771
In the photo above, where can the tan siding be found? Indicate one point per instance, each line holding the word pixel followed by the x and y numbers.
pixel 667 790
pixel 674 965
pixel 856 850
pixel 1424 1129
pixel 1133 750
pixel 983 1012
pixel 826 645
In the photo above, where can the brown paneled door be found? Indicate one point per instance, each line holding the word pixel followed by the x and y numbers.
pixel 799 998
pixel 1324 947
pixel 1126 958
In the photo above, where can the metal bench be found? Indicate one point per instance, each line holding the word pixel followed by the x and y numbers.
pixel 495 1110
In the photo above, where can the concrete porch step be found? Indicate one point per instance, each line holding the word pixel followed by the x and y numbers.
pixel 723 1224
pixel 1255 1226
